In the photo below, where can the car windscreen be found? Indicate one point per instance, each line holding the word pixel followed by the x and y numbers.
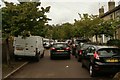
pixel 109 51
pixel 59 45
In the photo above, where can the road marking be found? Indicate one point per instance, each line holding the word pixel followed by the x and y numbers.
pixel 67 66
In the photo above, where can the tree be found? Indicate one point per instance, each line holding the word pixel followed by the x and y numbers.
pixel 83 26
pixel 19 19
pixel 68 30
pixel 23 19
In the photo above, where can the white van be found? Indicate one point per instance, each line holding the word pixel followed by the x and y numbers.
pixel 28 47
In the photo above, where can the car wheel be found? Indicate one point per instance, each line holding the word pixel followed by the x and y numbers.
pixel 83 65
pixel 78 59
pixel 75 56
pixel 69 57
pixel 91 71
pixel 51 57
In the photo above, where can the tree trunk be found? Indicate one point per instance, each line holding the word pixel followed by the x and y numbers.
pixel 8 52
pixel 96 39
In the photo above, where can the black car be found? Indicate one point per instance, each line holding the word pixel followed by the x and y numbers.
pixel 60 49
pixel 80 51
pixel 101 59
pixel 77 45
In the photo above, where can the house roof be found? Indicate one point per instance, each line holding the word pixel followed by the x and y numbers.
pixel 111 11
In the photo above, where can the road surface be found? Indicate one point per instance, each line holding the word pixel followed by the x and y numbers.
pixel 47 68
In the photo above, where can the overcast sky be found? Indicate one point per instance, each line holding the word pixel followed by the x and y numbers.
pixel 63 11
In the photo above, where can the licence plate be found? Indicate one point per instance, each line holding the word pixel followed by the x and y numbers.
pixel 112 60
pixel 60 50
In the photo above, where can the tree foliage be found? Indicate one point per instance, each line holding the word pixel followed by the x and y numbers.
pixel 19 19
pixel 63 31
pixel 90 25
pixel 87 27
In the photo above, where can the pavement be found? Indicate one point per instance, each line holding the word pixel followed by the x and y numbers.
pixel 8 71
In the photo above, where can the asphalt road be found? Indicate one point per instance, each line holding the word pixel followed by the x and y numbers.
pixel 47 68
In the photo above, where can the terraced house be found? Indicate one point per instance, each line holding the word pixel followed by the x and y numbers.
pixel 112 13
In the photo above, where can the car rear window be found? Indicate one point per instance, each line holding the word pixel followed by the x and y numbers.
pixel 109 51
pixel 85 46
pixel 60 45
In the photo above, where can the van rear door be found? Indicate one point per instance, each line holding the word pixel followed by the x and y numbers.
pixel 30 46
pixel 19 46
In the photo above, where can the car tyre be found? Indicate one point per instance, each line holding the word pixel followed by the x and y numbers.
pixel 83 65
pixel 91 71
pixel 69 57
pixel 78 59
pixel 51 57
pixel 75 56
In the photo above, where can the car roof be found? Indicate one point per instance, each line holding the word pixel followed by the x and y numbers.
pixel 60 43
pixel 85 44
pixel 102 46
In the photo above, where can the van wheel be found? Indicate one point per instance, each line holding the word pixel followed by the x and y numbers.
pixel 16 58
pixel 37 58
pixel 42 55
pixel 91 71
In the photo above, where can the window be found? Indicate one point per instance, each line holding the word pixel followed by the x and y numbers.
pixel 109 51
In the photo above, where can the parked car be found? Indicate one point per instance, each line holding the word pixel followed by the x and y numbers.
pixel 80 51
pixel 60 49
pixel 101 59
pixel 76 44
pixel 79 41
pixel 51 42
pixel 46 43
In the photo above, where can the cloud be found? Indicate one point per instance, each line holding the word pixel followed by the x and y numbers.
pixel 76 0
pixel 67 10
pixel 62 12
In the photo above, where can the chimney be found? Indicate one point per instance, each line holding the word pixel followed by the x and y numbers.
pixel 101 11
pixel 111 5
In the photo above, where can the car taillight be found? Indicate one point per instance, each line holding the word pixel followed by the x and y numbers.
pixel 96 56
pixel 67 48
pixel 53 48
pixel 80 52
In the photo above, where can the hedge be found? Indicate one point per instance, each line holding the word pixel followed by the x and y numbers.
pixel 114 42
